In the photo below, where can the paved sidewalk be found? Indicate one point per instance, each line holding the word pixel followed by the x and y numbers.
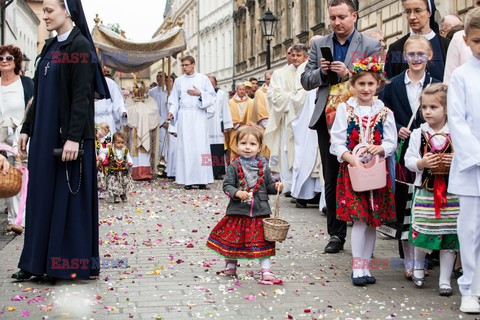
pixel 171 274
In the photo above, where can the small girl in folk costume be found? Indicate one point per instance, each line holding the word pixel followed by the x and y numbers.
pixel 117 161
pixel 434 211
pixel 102 130
pixel 363 120
pixel 240 233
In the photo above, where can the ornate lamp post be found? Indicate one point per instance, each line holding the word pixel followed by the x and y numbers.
pixel 269 24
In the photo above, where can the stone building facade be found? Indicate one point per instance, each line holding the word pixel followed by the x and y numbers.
pixel 302 19
pixel 184 12
pixel 216 40
pixel 21 30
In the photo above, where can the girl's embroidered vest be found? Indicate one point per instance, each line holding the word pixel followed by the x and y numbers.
pixel 376 128
pixel 115 165
pixel 428 177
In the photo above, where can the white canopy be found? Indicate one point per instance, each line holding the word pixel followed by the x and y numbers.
pixel 127 56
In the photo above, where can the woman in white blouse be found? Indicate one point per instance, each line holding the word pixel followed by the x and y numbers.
pixel 15 93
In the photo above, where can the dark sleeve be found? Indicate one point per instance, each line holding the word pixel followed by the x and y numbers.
pixel 82 89
pixel 312 78
pixel 386 96
pixel 230 183
pixel 269 182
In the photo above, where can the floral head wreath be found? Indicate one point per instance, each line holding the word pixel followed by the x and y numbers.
pixel 370 64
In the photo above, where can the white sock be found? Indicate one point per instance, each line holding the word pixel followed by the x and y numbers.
pixel 408 254
pixel 419 263
pixel 447 260
pixel 370 238
pixel 265 263
pixel 358 244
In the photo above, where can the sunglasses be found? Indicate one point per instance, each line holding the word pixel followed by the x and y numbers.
pixel 8 58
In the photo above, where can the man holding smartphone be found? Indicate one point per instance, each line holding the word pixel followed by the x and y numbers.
pixel 346 45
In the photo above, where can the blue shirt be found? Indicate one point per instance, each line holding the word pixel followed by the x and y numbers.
pixel 340 50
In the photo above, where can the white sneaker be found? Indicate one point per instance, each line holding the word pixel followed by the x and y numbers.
pixel 470 304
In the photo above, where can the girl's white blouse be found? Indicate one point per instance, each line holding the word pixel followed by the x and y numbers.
pixel 338 134
pixel 412 155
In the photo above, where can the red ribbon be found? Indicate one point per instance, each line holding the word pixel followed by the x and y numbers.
pixel 439 195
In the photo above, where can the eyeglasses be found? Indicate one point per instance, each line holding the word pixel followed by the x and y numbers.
pixel 8 58
pixel 185 65
pixel 416 12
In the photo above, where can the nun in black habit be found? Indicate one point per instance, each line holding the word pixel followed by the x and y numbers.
pixel 61 231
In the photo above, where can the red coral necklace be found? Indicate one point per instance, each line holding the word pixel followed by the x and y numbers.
pixel 241 177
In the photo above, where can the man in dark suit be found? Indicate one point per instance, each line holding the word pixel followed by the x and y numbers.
pixel 346 45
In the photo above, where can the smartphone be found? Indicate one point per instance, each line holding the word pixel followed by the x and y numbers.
pixel 327 55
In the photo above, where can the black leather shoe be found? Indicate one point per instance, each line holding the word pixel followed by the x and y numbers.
pixel 301 203
pixel 202 186
pixel 188 187
pixel 334 245
pixel 370 279
pixel 288 194
pixel 22 275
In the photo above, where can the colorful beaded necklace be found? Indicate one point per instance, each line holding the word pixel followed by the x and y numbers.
pixel 241 176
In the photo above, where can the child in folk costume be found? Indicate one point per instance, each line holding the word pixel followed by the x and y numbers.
pixel 367 121
pixel 102 130
pixel 434 211
pixel 402 95
pixel 464 180
pixel 117 161
pixel 240 234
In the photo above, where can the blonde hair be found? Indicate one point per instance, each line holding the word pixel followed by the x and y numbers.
pixel 417 38
pixel 102 126
pixel 472 21
pixel 119 135
pixel 253 130
pixel 439 90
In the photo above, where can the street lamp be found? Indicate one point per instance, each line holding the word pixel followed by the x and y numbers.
pixel 269 24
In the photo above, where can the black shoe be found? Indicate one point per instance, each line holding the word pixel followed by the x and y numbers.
pixel 457 273
pixel 218 178
pixel 324 210
pixel 188 187
pixel 301 204
pixel 22 275
pixel 334 245
pixel 202 187
pixel 370 279
pixel 358 281
pixel 288 194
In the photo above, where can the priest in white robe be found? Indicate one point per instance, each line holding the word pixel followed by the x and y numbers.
pixel 190 104
pixel 159 93
pixel 307 181
pixel 278 134
pixel 111 111
pixel 218 125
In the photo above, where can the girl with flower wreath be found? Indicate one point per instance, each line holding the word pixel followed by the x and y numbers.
pixel 363 120
pixel 248 182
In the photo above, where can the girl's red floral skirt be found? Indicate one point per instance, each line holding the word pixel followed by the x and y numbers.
pixel 240 237
pixel 357 206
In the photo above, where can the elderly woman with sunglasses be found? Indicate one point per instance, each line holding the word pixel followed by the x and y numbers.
pixel 16 91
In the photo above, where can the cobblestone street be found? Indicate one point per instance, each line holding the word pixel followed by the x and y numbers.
pixel 162 231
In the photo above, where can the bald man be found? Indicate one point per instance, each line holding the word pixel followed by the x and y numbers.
pixel 448 22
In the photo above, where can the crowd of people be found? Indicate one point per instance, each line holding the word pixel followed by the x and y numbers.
pixel 339 105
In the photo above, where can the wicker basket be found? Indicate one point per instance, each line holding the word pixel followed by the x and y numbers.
pixel 11 183
pixel 276 229
pixel 441 169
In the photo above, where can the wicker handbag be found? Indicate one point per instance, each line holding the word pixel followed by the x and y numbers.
pixel 11 183
pixel 14 181
pixel 275 229
pixel 441 169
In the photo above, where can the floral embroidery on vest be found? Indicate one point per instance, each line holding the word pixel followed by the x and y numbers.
pixel 353 128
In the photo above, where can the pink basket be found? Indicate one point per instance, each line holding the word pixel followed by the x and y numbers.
pixel 367 176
